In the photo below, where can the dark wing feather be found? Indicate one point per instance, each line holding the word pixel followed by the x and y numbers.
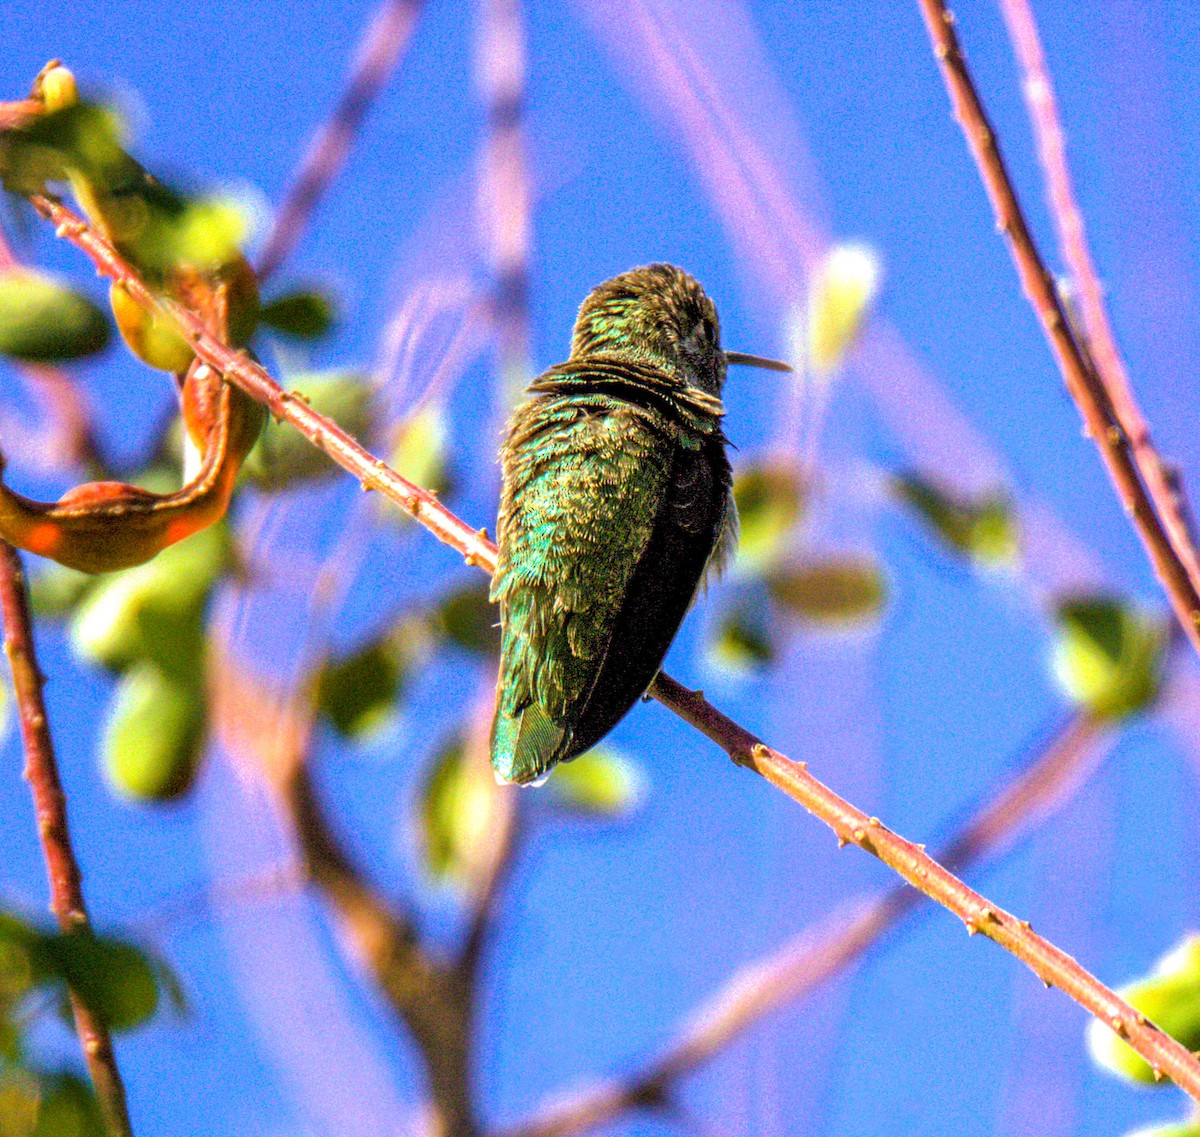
pixel 660 590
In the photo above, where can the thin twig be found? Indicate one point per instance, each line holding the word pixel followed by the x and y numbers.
pixel 504 187
pixel 50 806
pixel 819 953
pixel 1101 422
pixel 1073 247
pixel 377 56
pixel 852 825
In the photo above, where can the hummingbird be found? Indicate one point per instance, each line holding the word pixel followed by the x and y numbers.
pixel 617 500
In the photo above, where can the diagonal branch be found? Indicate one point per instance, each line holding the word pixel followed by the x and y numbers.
pixel 1073 247
pixel 850 824
pixel 1102 424
pixel 50 805
pixel 818 953
pixel 378 55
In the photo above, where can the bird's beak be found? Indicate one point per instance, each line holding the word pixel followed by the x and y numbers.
pixel 756 361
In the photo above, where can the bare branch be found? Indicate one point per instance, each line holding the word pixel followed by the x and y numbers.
pixel 50 805
pixel 1181 583
pixel 850 824
pixel 819 953
pixel 1073 247
pixel 378 54
pixel 274 727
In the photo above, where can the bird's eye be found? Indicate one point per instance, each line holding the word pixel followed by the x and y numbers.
pixel 707 332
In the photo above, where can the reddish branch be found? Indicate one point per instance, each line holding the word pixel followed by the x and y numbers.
pixel 1073 247
pixel 850 824
pixel 378 55
pixel 1101 421
pixel 817 954
pixel 50 807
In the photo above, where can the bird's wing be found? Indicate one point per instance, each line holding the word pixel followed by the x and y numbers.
pixel 584 479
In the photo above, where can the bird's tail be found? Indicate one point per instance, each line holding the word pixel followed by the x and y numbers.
pixel 525 745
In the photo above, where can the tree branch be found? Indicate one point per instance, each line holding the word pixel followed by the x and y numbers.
pixel 818 953
pixel 1110 368
pixel 850 824
pixel 427 993
pixel 378 54
pixel 50 806
pixel 1101 422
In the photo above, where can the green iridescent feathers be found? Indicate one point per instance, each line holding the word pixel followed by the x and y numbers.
pixel 616 492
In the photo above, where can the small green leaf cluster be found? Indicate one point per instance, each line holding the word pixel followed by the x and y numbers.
pixel 120 985
pixel 982 529
pixel 1106 655
pixel 777 589
pixel 147 625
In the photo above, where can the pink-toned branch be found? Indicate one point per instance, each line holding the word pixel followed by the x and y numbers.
pixel 377 57
pixel 1073 247
pixel 819 953
pixel 50 807
pixel 73 436
pixel 850 824
pixel 1101 422
pixel 504 186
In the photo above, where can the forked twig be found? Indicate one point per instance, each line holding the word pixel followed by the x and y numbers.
pixel 1102 423
pixel 850 824
pixel 1073 247
pixel 50 805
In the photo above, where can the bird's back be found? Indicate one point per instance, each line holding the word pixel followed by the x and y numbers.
pixel 614 497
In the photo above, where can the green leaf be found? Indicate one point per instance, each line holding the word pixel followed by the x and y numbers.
pixel 45 321
pixel 840 590
pixel 113 978
pixel 840 294
pixel 419 449
pixel 983 529
pixel 599 782
pixel 17 941
pixel 154 611
pixel 1107 657
pixel 469 619
pixel 1171 1129
pixel 770 497
pixel 358 693
pixel 68 1108
pixel 155 734
pixel 306 315
pixel 742 643
pixel 1170 997
pixel 459 804
pixel 56 590
pixel 283 456
pixel 84 137
pixel 19 1101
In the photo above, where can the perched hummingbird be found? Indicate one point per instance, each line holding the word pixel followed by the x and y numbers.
pixel 617 497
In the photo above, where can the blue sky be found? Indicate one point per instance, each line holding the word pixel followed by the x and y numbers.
pixel 611 935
